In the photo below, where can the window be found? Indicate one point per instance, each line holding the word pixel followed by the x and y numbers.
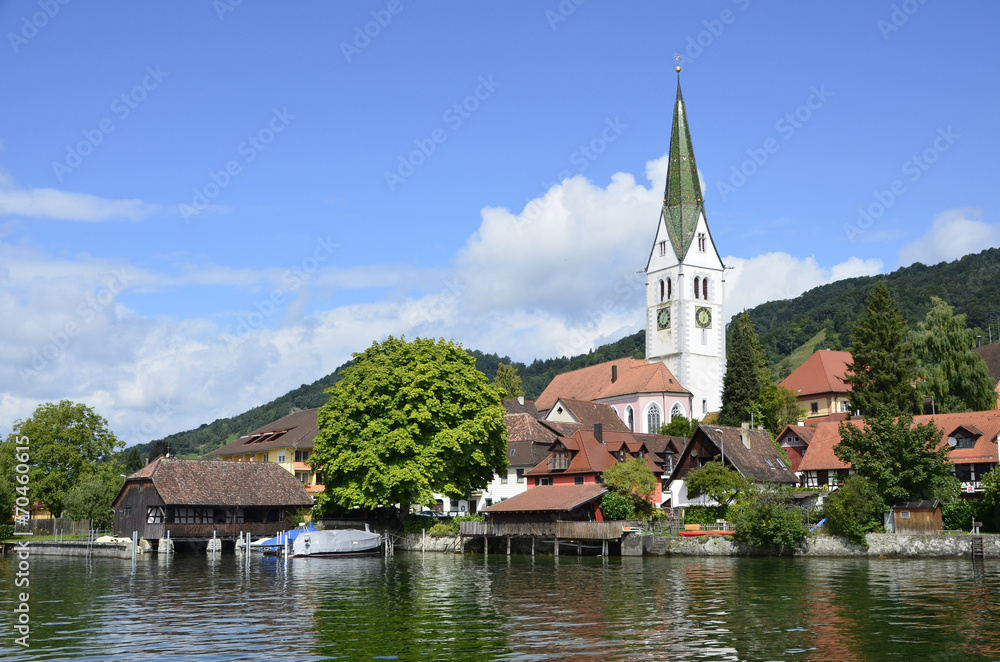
pixel 663 248
pixel 543 481
pixel 503 478
pixel 239 516
pixel 814 407
pixel 319 477
pixel 696 292
pixel 701 242
pixel 281 456
pixel 670 288
pixel 154 515
pixel 676 410
pixel 578 480
pixel 184 515
pixel 661 290
pixel 630 419
pixel 653 420
pixel 520 475
pixel 301 456
pixel 599 479
pixel 303 477
pixel 904 514
pixel 963 440
pixel 126 512
pixel 704 406
pixel 704 289
pixel 265 457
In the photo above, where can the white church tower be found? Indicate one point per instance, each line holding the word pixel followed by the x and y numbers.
pixel 685 281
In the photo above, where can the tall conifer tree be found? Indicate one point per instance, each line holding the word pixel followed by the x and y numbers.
pixel 884 368
pixel 741 388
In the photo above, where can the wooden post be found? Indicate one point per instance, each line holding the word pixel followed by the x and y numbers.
pixel 532 546
pixel 579 548
pixel 486 545
pixel 508 545
pixel 557 547
pixel 461 544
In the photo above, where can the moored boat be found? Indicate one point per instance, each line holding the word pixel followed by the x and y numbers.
pixel 336 542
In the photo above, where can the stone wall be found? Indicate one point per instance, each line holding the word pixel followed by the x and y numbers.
pixel 78 548
pixel 887 545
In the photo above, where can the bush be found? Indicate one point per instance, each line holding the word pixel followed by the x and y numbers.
pixel 6 531
pixel 615 506
pixel 704 514
pixel 416 523
pixel 767 518
pixel 854 509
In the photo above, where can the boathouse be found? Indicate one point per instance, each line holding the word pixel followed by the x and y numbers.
pixel 195 499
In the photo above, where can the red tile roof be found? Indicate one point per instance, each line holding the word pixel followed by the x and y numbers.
pixel 590 455
pixel 587 413
pixel 549 498
pixel 516 407
pixel 821 456
pixel 823 372
pixel 594 382
pixel 297 430
pixel 222 483
pixel 991 354
pixel 528 440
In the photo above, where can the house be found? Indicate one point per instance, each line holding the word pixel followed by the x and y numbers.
pixel 643 395
pixel 191 499
pixel 528 441
pixel 585 413
pixel 748 451
pixel 971 437
pixel 521 406
pixel 820 385
pixel 549 504
pixel 582 459
pixel 287 442
pixel 794 440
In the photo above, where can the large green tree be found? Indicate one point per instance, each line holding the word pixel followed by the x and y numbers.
pixel 406 421
pixel 952 374
pixel 741 388
pixel 767 517
pixel 854 509
pixel 92 498
pixel 508 381
pixel 883 370
pixel 68 443
pixel 634 480
pixel 720 483
pixel 904 461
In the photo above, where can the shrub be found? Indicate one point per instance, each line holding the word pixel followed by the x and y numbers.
pixel 704 514
pixel 767 518
pixel 6 531
pixel 617 506
pixel 854 509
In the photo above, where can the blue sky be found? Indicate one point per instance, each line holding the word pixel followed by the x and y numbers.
pixel 205 204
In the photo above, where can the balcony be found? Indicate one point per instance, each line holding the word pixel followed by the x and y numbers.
pixel 558 463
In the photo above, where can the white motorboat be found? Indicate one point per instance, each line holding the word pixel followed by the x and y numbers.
pixel 336 542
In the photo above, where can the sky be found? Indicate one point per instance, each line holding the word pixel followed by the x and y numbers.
pixel 206 204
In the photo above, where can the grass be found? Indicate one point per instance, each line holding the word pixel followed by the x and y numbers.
pixel 787 365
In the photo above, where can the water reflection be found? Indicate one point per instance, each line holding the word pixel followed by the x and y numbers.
pixel 445 607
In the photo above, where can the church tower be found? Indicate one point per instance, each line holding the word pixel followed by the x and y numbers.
pixel 685 281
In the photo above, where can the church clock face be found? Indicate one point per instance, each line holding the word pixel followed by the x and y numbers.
pixel 703 317
pixel 663 318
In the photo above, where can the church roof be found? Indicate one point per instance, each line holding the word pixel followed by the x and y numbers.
pixel 682 199
pixel 610 379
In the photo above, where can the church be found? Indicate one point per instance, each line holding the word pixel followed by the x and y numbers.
pixel 685 298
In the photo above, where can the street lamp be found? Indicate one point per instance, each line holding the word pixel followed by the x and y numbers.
pixel 722 441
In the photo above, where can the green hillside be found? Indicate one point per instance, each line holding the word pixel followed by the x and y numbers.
pixel 790 331
pixel 969 284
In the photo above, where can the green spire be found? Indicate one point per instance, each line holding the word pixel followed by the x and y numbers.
pixel 682 201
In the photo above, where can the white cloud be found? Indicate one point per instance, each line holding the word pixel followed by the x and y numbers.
pixel 559 277
pixel 61 205
pixel 775 276
pixel 954 233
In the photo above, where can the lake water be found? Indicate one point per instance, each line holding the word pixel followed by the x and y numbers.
pixel 445 607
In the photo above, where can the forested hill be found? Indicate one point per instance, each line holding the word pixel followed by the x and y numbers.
pixel 789 331
pixel 824 316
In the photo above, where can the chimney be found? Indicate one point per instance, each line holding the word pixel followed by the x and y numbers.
pixel 520 400
pixel 599 432
pixel 745 435
pixel 614 374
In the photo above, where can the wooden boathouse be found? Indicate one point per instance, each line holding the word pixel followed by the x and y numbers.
pixel 196 500
pixel 557 515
